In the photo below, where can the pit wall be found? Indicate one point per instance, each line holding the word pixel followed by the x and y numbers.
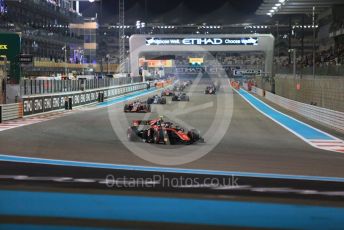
pixel 46 103
pixel 322 91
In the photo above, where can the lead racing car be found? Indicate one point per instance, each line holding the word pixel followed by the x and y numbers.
pixel 159 131
pixel 137 107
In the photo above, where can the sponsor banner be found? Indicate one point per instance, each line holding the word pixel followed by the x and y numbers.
pixel 155 63
pixel 202 41
pixel 195 70
pixel 76 99
pixel 27 107
pixel 47 104
pixel 38 105
pixel 246 72
pixel 196 60
pixel 159 63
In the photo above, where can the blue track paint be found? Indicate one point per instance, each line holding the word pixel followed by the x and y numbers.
pixel 32 160
pixel 299 128
pixel 127 97
pixel 49 227
pixel 169 210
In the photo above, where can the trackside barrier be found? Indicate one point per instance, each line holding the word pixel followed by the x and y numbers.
pixel 11 111
pixel 330 118
pixel 49 102
pixel 258 91
pixel 35 87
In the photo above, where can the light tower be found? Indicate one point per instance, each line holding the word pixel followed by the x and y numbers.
pixel 121 36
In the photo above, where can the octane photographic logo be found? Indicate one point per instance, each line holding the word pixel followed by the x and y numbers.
pixel 210 114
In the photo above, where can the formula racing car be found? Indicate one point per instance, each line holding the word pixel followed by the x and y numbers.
pixel 156 100
pixel 210 90
pixel 159 131
pixel 179 87
pixel 180 97
pixel 137 107
pixel 167 92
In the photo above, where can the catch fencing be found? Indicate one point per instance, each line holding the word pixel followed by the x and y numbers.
pixel 37 87
pixel 330 118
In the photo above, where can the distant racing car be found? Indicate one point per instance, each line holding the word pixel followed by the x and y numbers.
pixel 180 97
pixel 167 92
pixel 159 131
pixel 137 107
pixel 179 87
pixel 210 90
pixel 156 100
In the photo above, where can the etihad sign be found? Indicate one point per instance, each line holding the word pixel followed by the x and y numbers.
pixel 201 41
pixel 3 47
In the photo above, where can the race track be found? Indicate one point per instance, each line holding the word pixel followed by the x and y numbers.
pixel 252 143
pixel 79 169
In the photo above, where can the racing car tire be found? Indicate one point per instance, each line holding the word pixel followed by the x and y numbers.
pixel 132 134
pixel 194 135
pixel 150 100
pixel 148 108
pixel 157 136
pixel 126 108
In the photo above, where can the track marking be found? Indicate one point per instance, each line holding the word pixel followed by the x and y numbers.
pixel 34 160
pixel 309 134
pixel 6 125
pixel 138 182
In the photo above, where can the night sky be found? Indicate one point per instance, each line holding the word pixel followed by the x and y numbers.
pixel 176 11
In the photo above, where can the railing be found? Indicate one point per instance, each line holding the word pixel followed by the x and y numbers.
pixel 11 111
pixel 330 118
pixel 37 87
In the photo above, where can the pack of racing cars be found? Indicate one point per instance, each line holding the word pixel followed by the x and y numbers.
pixel 158 131
pixel 181 85
pixel 145 106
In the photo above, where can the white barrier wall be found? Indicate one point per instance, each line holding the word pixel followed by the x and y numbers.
pixel 327 117
pixel 48 102
pixel 11 111
pixel 257 91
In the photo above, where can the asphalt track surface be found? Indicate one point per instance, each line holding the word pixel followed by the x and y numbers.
pixel 253 143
